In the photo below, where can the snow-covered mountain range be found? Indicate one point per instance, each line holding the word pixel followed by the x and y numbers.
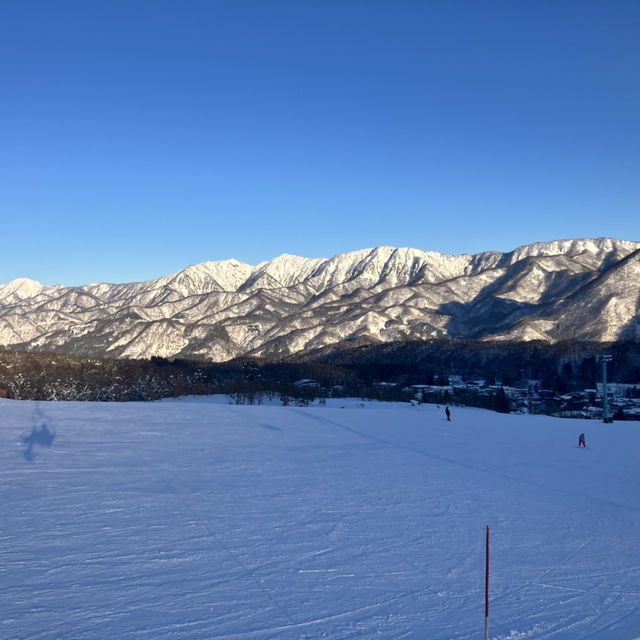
pixel 587 289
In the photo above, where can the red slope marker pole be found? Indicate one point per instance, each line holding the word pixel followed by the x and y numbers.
pixel 486 593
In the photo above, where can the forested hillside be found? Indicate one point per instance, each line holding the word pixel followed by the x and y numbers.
pixel 353 371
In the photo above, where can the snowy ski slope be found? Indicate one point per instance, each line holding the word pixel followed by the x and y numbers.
pixel 196 519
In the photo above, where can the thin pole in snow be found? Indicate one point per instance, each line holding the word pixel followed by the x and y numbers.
pixel 605 396
pixel 486 592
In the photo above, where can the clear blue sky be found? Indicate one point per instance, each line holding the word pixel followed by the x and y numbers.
pixel 140 136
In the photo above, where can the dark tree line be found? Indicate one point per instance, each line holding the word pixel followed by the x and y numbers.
pixel 31 375
pixel 354 372
pixel 560 367
pixel 53 376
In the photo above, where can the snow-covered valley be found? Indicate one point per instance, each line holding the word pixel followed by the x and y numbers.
pixel 199 519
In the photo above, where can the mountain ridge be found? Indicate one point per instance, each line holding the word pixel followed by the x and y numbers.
pixel 577 289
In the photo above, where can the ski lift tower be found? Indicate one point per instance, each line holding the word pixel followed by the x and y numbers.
pixel 605 397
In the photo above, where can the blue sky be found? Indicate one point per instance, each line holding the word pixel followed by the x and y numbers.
pixel 138 137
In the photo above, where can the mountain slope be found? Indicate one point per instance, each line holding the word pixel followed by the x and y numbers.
pixel 586 289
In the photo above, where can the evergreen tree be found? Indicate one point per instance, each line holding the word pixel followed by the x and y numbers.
pixel 502 404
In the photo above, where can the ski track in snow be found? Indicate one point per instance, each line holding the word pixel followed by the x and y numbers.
pixel 197 519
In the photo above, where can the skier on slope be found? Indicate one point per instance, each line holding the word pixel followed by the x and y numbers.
pixel 581 441
pixel 448 414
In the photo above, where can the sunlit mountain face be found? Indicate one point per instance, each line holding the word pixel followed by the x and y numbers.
pixel 580 290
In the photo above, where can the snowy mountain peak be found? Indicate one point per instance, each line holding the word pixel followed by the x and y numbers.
pixel 584 289
pixel 572 248
pixel 206 277
pixel 21 289
pixel 288 270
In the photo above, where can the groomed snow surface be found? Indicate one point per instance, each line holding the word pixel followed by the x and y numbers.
pixel 198 519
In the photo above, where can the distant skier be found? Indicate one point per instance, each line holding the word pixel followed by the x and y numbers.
pixel 581 441
pixel 448 414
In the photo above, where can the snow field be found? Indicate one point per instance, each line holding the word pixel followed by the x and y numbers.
pixel 196 519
